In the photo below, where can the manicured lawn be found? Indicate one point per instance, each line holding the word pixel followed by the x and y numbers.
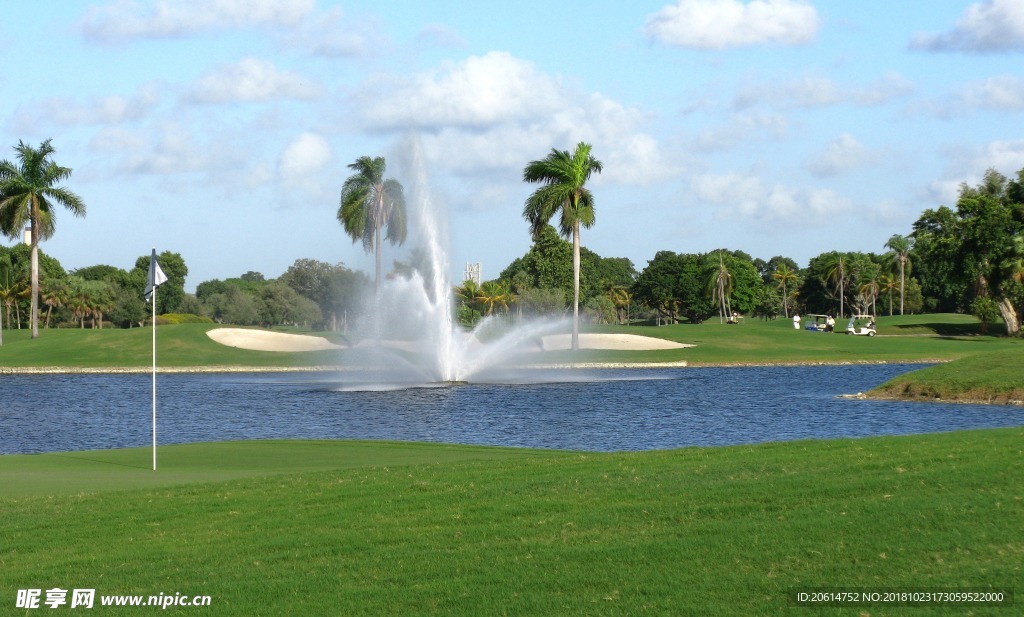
pixel 179 345
pixel 994 377
pixel 342 528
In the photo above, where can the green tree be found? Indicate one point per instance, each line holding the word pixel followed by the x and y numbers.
pixel 720 286
pixel 29 194
pixel 962 253
pixel 901 246
pixel 563 177
pixel 835 273
pixel 372 205
pixel 786 279
pixel 493 295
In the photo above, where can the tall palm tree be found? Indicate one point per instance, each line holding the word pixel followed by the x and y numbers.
pixel 54 294
pixel 887 284
pixel 784 275
pixel 29 192
pixel 563 177
pixel 835 273
pixel 721 289
pixel 372 205
pixel 868 290
pixel 900 246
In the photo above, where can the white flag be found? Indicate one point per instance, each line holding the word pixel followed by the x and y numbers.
pixel 156 276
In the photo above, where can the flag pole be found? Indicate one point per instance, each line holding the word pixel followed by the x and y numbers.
pixel 154 378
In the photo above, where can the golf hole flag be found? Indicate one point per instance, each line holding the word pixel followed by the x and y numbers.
pixel 156 279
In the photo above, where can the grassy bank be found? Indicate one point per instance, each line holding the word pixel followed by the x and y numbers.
pixel 346 528
pixel 912 338
pixel 993 377
pixel 181 345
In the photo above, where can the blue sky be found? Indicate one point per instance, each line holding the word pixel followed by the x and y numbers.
pixel 221 129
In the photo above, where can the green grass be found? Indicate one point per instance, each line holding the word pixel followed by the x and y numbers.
pixel 342 528
pixel 994 377
pixel 180 345
pixel 911 338
pixel 919 338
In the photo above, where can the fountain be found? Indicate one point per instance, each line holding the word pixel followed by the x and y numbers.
pixel 413 337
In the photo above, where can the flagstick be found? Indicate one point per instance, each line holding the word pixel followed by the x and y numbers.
pixel 154 378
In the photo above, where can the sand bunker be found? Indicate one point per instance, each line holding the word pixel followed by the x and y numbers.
pixel 263 340
pixel 627 342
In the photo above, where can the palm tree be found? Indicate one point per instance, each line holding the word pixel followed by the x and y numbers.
pixel 493 294
pixel 721 289
pixel 54 295
pixel 869 289
pixel 621 298
pixel 370 205
pixel 27 198
pixel 887 284
pixel 563 176
pixel 835 273
pixel 784 275
pixel 900 246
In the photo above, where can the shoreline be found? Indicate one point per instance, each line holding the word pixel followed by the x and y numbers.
pixel 129 370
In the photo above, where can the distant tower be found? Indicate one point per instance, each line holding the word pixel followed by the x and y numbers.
pixel 472 273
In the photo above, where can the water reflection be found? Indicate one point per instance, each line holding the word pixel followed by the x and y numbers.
pixel 609 410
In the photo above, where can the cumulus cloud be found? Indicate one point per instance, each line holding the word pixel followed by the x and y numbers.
pixel 479 91
pixel 843 154
pixel 252 80
pixel 122 20
pixel 302 158
pixel 991 26
pixel 720 24
pixel 734 194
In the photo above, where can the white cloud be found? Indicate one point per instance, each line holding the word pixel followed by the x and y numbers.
pixel 128 19
pixel 252 80
pixel 480 91
pixel 985 27
pixel 843 154
pixel 302 158
pixel 1005 92
pixel 101 110
pixel 969 164
pixel 817 91
pixel 742 128
pixel 720 24
pixel 334 34
pixel 744 196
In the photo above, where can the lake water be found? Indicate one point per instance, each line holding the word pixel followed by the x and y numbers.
pixel 600 410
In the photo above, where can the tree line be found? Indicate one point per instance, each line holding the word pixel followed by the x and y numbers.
pixel 967 259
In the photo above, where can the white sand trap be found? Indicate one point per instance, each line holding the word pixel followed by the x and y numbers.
pixel 627 342
pixel 263 340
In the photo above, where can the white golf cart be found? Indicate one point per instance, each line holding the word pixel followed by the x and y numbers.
pixel 816 323
pixel 861 325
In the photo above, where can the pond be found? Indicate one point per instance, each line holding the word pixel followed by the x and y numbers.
pixel 598 410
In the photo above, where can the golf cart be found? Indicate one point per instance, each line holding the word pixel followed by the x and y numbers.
pixel 861 325
pixel 816 323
